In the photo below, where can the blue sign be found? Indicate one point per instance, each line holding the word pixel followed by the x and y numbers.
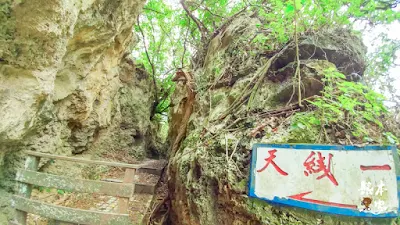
pixel 344 180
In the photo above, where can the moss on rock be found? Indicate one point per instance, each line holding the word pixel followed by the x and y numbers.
pixel 209 174
pixel 7 30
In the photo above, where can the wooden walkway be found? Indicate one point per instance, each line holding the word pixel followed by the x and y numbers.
pixel 123 189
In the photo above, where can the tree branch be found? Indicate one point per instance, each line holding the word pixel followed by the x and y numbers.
pixel 203 30
pixel 149 9
pixel 296 39
pixel 227 23
pixel 199 6
pixel 154 39
pixel 150 62
pixel 184 44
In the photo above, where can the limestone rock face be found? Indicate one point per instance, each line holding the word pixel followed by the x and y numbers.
pixel 65 85
pixel 209 173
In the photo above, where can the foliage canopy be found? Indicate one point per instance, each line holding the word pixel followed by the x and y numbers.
pixel 175 35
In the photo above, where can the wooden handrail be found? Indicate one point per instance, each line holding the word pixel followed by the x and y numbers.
pixel 61 213
pixel 29 176
pixel 81 160
pixel 76 185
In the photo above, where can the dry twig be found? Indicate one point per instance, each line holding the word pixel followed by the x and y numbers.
pixel 296 39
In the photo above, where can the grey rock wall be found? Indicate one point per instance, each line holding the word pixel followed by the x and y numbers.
pixel 65 87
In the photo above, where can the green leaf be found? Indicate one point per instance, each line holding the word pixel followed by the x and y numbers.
pixel 367 139
pixel 289 8
pixel 315 121
pixel 390 137
pixel 301 126
pixel 298 4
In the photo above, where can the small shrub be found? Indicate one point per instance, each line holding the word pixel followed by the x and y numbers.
pixel 346 106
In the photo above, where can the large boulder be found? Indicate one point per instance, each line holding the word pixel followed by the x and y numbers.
pixel 209 173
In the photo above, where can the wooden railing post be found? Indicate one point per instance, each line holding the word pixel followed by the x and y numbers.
pixel 123 203
pixel 25 190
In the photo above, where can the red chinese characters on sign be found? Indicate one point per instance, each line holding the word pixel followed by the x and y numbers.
pixel 270 160
pixel 317 164
pixel 377 167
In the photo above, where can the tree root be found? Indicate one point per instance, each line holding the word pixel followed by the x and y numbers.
pixel 249 91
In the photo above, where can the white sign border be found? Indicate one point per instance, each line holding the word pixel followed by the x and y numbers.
pixel 317 207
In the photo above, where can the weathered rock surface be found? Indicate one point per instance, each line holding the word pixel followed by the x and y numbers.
pixel 65 85
pixel 209 173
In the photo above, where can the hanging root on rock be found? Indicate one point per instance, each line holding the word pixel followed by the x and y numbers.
pixel 249 90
